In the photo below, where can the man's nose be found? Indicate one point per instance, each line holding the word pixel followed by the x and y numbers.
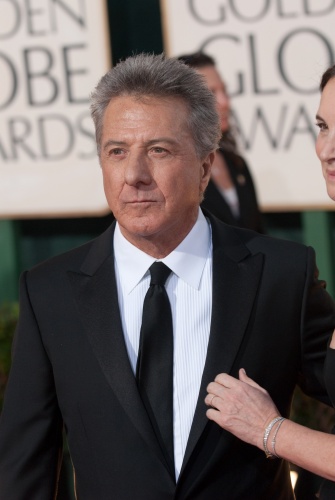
pixel 137 170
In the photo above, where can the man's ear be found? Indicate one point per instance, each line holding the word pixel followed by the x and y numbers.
pixel 206 166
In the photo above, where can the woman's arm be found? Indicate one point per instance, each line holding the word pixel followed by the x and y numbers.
pixel 245 409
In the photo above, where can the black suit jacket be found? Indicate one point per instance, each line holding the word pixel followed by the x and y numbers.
pixel 270 315
pixel 250 216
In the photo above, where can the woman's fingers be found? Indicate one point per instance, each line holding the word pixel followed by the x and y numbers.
pixel 244 378
pixel 240 406
pixel 247 380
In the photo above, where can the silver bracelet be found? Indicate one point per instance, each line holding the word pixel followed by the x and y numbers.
pixel 275 435
pixel 266 435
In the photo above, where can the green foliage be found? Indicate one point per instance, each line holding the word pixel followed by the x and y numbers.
pixel 8 319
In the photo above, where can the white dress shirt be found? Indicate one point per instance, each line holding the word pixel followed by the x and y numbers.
pixel 189 288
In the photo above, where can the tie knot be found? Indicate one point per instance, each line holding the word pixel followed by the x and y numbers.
pixel 159 273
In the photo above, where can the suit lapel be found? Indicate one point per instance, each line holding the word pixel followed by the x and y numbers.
pixel 236 274
pixel 96 297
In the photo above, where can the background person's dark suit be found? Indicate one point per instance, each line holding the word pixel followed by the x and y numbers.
pixel 70 364
pixel 250 216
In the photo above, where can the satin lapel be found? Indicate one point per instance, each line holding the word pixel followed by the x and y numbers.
pixel 236 275
pixel 96 297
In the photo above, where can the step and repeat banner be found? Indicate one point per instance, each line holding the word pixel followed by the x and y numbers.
pixel 52 53
pixel 271 54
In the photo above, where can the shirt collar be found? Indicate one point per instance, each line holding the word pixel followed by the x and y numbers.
pixel 187 261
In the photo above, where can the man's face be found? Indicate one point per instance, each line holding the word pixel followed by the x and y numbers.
pixel 153 179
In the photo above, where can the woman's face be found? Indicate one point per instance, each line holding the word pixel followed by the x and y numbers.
pixel 217 86
pixel 325 143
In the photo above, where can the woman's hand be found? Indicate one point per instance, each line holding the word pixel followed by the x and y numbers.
pixel 241 407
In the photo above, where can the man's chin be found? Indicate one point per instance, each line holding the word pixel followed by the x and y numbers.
pixel 140 226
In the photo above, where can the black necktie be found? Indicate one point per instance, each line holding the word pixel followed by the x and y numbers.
pixel 154 371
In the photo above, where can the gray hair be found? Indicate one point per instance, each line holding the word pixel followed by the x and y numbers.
pixel 156 76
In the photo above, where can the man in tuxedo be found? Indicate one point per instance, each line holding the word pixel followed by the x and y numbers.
pixel 129 390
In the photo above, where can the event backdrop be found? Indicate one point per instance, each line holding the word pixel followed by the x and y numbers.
pixel 271 54
pixel 52 53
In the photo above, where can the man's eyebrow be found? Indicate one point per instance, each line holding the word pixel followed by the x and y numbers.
pixel 168 140
pixel 112 142
pixel 318 117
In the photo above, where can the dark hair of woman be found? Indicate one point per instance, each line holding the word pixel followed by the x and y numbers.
pixel 327 75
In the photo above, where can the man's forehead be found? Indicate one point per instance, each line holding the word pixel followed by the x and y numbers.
pixel 130 113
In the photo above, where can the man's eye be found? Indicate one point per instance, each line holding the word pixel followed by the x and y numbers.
pixel 158 150
pixel 115 152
